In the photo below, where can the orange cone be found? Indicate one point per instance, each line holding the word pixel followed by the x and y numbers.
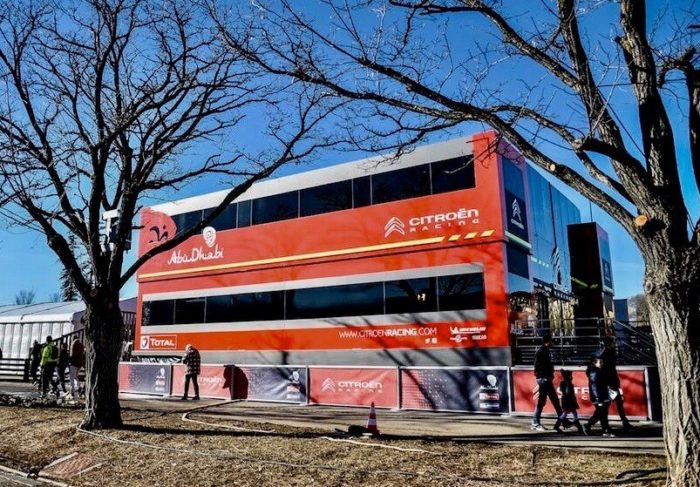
pixel 372 421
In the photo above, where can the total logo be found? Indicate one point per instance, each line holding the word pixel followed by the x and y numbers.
pixel 159 342
pixel 437 221
pixel 199 254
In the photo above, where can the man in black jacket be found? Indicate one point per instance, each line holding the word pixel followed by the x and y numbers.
pixel 544 372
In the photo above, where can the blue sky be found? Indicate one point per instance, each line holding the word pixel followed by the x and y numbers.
pixel 27 263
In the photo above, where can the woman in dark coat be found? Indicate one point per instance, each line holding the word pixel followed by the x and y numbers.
pixel 600 397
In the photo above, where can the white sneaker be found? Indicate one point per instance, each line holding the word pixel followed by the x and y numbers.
pixel 538 427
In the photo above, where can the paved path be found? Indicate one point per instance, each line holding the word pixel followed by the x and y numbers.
pixel 11 480
pixel 436 426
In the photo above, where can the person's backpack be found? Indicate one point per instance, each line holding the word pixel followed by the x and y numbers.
pixel 54 352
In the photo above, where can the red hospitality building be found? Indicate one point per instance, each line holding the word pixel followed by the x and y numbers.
pixel 404 282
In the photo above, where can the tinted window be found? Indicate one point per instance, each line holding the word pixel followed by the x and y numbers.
pixel 244 213
pixel 513 178
pixel 219 309
pixel 453 174
pixel 361 195
pixel 325 302
pixel 189 310
pixel 246 307
pixel 401 184
pixel 518 261
pixel 158 312
pixel 226 219
pixel 276 207
pixel 258 306
pixel 464 291
pixel 326 198
pixel 185 221
pixel 410 295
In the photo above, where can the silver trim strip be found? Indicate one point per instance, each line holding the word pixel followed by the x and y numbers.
pixel 338 172
pixel 447 270
pixel 340 322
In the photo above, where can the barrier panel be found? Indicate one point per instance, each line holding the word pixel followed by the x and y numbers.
pixel 469 389
pixel 145 378
pixel 215 381
pixel 277 383
pixel 632 383
pixel 354 386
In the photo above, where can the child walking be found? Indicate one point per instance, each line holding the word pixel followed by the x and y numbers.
pixel 569 404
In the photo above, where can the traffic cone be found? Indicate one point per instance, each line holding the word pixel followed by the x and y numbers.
pixel 372 421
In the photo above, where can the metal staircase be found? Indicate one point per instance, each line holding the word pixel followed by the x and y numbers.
pixel 574 342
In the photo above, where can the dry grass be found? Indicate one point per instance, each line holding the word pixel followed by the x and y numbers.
pixel 201 455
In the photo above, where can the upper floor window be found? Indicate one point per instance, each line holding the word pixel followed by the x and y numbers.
pixel 410 182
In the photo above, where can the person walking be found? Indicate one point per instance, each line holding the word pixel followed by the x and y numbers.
pixel 600 397
pixel 544 373
pixel 193 362
pixel 49 359
pixel 76 361
pixel 569 404
pixel 34 362
pixel 609 356
pixel 62 365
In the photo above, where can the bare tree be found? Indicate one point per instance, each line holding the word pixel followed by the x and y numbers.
pixel 549 83
pixel 25 296
pixel 639 307
pixel 105 103
pixel 55 298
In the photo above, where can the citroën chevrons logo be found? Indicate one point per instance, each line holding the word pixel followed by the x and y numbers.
pixel 394 225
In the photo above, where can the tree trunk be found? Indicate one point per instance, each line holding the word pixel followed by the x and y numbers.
pixel 103 331
pixel 674 310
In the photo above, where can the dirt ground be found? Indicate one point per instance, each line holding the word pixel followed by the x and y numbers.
pixel 162 449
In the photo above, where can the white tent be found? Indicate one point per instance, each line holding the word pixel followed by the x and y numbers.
pixel 21 324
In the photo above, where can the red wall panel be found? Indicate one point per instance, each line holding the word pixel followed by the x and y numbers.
pixel 632 382
pixel 214 381
pixel 354 387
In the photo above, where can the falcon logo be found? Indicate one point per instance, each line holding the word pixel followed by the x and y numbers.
pixel 394 225
pixel 328 385
pixel 209 234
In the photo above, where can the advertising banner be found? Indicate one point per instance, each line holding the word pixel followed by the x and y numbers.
pixel 143 378
pixel 273 383
pixel 214 381
pixel 482 390
pixel 632 384
pixel 354 386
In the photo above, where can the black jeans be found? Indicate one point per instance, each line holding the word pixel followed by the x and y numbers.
pixel 619 403
pixel 193 378
pixel 601 414
pixel 62 377
pixel 545 390
pixel 47 377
